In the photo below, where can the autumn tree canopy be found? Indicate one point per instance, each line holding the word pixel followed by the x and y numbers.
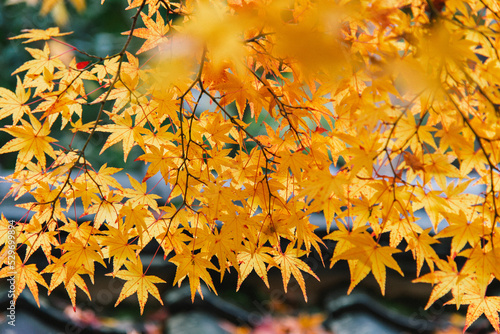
pixel 258 114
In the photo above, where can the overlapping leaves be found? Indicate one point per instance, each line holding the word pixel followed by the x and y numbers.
pixel 256 115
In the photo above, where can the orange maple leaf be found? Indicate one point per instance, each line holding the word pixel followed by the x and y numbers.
pixel 154 33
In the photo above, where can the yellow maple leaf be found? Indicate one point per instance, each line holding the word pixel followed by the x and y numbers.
pixel 290 264
pixel 195 267
pixel 446 279
pixel 122 130
pixel 87 192
pixel 25 274
pixel 296 162
pixel 31 140
pixel 479 304
pixel 118 247
pixel 342 236
pixel 208 27
pixel 59 276
pixel 140 194
pixel 43 61
pixel 462 231
pixel 159 161
pixel 122 92
pixel 370 256
pixel 107 209
pixel 39 238
pixel 237 90
pixel 80 255
pixel 107 69
pixel 103 177
pixel 80 231
pixel 439 166
pixel 14 103
pixel 217 131
pixel 38 34
pixel 420 246
pixel 135 216
pixel 221 244
pixel 138 282
pixel 305 233
pixel 172 238
pixel 254 258
pixel 483 262
pixel 51 5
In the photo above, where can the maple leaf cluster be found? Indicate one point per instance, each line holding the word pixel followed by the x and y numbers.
pixel 258 114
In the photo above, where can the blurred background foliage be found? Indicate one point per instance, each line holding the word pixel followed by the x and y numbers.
pixel 96 30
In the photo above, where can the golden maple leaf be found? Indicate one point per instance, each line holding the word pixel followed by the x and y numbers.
pixel 38 34
pixel 138 282
pixel 31 140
